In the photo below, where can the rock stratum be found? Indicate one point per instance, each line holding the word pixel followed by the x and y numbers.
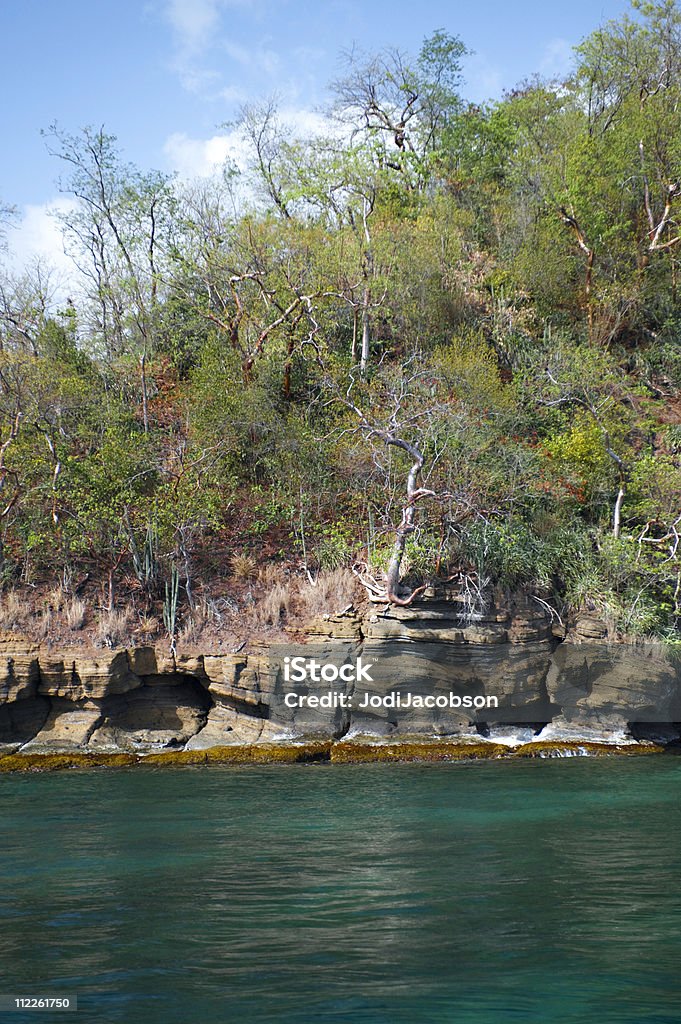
pixel 548 689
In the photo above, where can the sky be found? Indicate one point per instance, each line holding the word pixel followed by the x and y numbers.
pixel 167 76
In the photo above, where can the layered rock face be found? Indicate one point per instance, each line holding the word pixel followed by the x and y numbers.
pixel 399 672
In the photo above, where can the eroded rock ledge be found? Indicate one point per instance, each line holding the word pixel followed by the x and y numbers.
pixel 571 695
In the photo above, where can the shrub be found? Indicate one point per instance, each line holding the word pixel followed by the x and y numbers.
pixel 243 567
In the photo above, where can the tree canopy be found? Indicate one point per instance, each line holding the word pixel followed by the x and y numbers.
pixel 434 340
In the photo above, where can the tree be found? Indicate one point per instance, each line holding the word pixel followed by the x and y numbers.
pixel 260 124
pixel 409 413
pixel 25 300
pixel 7 215
pixel 115 237
pixel 403 107
pixel 594 175
pixel 591 383
pixel 251 280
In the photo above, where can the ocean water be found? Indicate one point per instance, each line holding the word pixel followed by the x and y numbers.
pixel 469 893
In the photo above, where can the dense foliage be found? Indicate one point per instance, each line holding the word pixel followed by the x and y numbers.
pixel 484 296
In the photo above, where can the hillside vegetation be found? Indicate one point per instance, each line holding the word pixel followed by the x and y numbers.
pixel 438 341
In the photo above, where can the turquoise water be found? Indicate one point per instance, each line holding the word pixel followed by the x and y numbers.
pixel 545 891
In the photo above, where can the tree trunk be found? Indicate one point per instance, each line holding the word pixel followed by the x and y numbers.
pixel 393 575
pixel 287 369
pixel 406 525
pixel 617 513
pixel 145 395
pixel 366 329
pixel 367 273
pixel 353 350
pixel 587 293
pixel 588 251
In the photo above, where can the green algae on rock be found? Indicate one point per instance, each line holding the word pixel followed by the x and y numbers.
pixel 73 759
pixel 415 750
pixel 257 753
pixel 342 752
pixel 252 753
pixel 584 748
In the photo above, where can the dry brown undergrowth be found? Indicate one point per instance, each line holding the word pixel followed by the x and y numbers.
pixel 265 606
pixel 114 627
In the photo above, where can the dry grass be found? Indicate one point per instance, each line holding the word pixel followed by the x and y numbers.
pixel 207 615
pixel 273 607
pixel 113 627
pixel 149 626
pixel 279 598
pixel 283 600
pixel 190 632
pixel 75 613
pixel 194 624
pixel 272 575
pixel 209 612
pixel 42 625
pixel 14 611
pixel 243 567
pixel 335 589
pixel 56 599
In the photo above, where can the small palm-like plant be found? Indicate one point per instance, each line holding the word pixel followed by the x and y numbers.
pixel 243 567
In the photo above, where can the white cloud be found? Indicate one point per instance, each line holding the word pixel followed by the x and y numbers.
pixel 38 234
pixel 483 81
pixel 36 237
pixel 233 94
pixel 557 59
pixel 256 57
pixel 195 79
pixel 239 54
pixel 268 61
pixel 199 32
pixel 306 55
pixel 202 158
pixel 304 123
pixel 195 22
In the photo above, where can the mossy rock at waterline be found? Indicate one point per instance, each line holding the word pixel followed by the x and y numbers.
pixel 254 753
pixel 324 751
pixel 585 748
pixel 416 750
pixel 58 761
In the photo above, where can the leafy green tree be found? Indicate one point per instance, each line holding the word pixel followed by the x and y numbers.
pixel 403 107
pixel 116 236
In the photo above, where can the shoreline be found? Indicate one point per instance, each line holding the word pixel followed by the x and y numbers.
pixel 411 685
pixel 417 750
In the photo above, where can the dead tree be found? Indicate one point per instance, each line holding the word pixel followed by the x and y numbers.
pixel 398 433
pixel 571 221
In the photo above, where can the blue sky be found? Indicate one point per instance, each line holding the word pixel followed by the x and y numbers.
pixel 164 75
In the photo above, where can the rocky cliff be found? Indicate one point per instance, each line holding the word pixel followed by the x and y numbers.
pixel 422 663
